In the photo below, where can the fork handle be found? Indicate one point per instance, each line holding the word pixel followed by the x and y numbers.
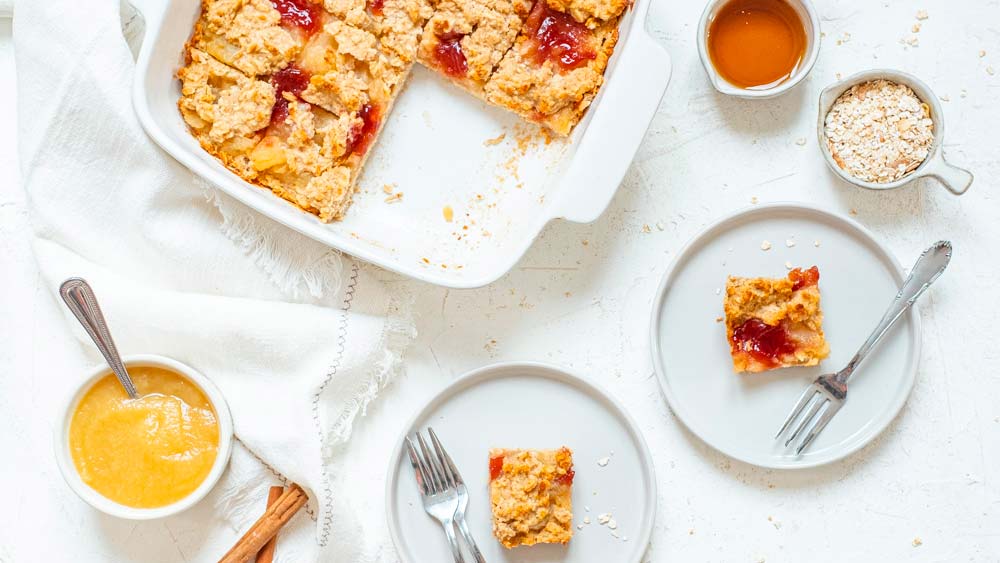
pixel 467 534
pixel 449 532
pixel 928 268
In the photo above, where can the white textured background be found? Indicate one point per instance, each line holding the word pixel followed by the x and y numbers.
pixel 582 295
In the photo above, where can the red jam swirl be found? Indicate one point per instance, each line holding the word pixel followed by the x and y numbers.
pixel 375 7
pixel 362 135
pixel 557 37
pixel 803 278
pixel 765 343
pixel 496 467
pixel 448 53
pixel 302 14
pixel 566 478
pixel 290 79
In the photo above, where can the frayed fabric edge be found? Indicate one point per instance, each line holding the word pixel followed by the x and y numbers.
pixel 296 272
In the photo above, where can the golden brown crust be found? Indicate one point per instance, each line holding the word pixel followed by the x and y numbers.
pixel 310 150
pixel 592 13
pixel 546 93
pixel 246 35
pixel 532 497
pixel 487 28
pixel 775 302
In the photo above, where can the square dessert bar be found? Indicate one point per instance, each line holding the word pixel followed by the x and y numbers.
pixel 531 496
pixel 466 39
pixel 291 94
pixel 556 66
pixel 773 323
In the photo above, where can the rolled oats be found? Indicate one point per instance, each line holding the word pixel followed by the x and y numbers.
pixel 879 131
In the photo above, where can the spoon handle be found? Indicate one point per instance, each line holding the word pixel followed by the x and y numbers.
pixel 928 268
pixel 81 300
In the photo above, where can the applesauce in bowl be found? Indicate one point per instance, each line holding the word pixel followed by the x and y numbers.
pixel 147 457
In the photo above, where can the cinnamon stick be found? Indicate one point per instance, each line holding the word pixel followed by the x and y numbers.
pixel 266 553
pixel 267 526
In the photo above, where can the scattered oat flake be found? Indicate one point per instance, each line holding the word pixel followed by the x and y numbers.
pixel 614 533
pixel 396 197
pixel 604 518
pixel 790 243
pixel 917 542
pixel 579 526
pixel 989 70
pixel 587 508
pixel 912 41
pixel 753 200
pixel 915 28
pixel 801 141
pixel 718 290
pixel 963 93
pixel 816 243
pixel 659 226
pixel 495 140
pixel 788 265
pixel 448 213
pixel 945 98
pixel 603 462
pixel 766 245
pixel 922 14
pixel 646 229
pixel 612 524
pixel 853 211
pixel 982 53
pixel 837 76
pixel 387 188
pixel 718 319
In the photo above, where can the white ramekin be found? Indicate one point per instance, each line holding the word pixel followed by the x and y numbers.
pixel 108 506
pixel 956 179
pixel 810 20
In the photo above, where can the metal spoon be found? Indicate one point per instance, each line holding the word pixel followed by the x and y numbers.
pixel 81 300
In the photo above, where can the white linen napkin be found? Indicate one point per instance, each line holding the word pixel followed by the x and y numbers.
pixel 299 339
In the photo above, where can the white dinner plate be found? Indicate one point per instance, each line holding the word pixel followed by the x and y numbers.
pixel 531 405
pixel 738 414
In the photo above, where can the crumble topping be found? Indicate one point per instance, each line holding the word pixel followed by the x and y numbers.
pixel 530 496
pixel 775 322
pixel 879 131
pixel 466 39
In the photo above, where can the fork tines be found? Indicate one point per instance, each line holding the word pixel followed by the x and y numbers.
pixel 822 406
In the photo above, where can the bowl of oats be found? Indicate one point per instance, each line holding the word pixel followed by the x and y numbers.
pixel 881 129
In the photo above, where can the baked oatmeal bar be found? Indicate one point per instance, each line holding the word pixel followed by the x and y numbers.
pixel 772 323
pixel 466 39
pixel 557 64
pixel 531 496
pixel 332 72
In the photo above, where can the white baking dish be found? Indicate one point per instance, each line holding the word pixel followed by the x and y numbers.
pixel 432 149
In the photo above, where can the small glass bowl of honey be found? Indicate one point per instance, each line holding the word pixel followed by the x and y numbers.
pixel 758 48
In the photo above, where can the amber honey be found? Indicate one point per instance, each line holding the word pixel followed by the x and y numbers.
pixel 756 44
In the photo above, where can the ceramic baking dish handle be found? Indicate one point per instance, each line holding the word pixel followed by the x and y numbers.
pixel 627 105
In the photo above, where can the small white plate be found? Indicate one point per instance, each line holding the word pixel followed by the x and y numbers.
pixel 738 414
pixel 531 405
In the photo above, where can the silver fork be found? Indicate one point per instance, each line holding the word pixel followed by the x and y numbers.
pixel 443 491
pixel 827 394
